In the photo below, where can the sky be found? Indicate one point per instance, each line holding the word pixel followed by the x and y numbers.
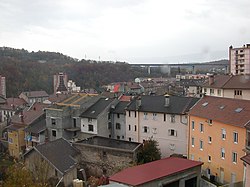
pixel 135 31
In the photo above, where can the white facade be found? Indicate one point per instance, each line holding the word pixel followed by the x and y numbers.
pixel 169 130
pixel 239 60
pixel 89 125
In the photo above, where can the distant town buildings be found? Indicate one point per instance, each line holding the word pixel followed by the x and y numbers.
pixel 2 86
pixel 34 96
pixel 239 59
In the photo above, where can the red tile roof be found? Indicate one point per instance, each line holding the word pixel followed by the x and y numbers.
pixel 125 98
pixel 219 81
pixel 154 170
pixel 30 115
pixel 12 103
pixel 246 158
pixel 222 110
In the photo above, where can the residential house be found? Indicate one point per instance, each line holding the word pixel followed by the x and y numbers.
pixel 169 172
pixel 192 87
pixel 9 106
pixel 34 96
pixel 36 132
pixel 16 135
pixel 106 156
pixel 246 160
pixel 217 137
pixel 62 118
pixel 56 159
pixel 164 118
pixel 118 124
pixel 228 86
pixel 95 120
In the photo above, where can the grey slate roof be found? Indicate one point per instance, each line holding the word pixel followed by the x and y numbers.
pixel 120 107
pixel 59 153
pixel 156 104
pixel 37 126
pixel 191 82
pixel 97 108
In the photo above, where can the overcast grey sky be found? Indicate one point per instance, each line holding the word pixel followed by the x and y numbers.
pixel 136 31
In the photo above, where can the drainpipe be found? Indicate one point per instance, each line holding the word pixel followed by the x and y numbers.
pixel 188 142
pixel 59 181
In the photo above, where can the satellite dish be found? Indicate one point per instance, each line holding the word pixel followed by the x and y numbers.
pixel 137 80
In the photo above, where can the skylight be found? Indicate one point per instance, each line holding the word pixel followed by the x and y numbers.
pixel 222 107
pixel 238 110
pixel 205 104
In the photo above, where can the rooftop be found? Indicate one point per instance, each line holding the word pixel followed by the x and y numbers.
pixel 97 108
pixel 246 159
pixel 37 126
pixel 12 103
pixel 141 174
pixel 59 153
pixel 120 107
pixel 177 104
pixel 225 110
pixel 111 143
pixel 35 94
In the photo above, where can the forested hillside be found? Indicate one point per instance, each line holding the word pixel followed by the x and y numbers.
pixel 26 71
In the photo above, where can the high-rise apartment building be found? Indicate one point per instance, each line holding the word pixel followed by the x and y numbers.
pixel 60 83
pixel 239 59
pixel 2 86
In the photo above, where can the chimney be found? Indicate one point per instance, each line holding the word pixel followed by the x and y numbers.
pixel 211 79
pixel 138 103
pixel 21 116
pixel 167 101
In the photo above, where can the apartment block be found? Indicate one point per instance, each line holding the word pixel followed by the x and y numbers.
pixel 163 118
pixel 217 137
pixel 239 59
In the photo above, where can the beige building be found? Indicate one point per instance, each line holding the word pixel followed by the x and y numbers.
pixel 229 86
pixel 239 59
pixel 2 86
pixel 162 118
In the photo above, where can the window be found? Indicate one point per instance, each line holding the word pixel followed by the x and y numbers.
pixel 201 145
pixel 223 134
pixel 118 115
pixel 164 117
pixel 135 127
pixel 192 141
pixel 129 114
pixel 145 129
pixel 135 114
pixel 122 137
pixel 209 139
pixel 248 138
pixel 109 125
pixel 54 133
pixel 201 127
pixel 192 157
pixel 154 116
pixel 145 115
pixel 172 118
pixel 91 128
pixel 154 130
pixel 209 158
pixel 192 125
pixel 118 126
pixel 210 121
pixel 74 122
pixel 118 137
pixel 53 121
pixel 129 127
pixel 234 157
pixel 237 92
pixel 219 92
pixel 205 90
pixel 10 140
pixel 222 153
pixel 104 154
pixel 129 139
pixel 235 136
pixel 211 91
pixel 172 132
pixel 90 120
